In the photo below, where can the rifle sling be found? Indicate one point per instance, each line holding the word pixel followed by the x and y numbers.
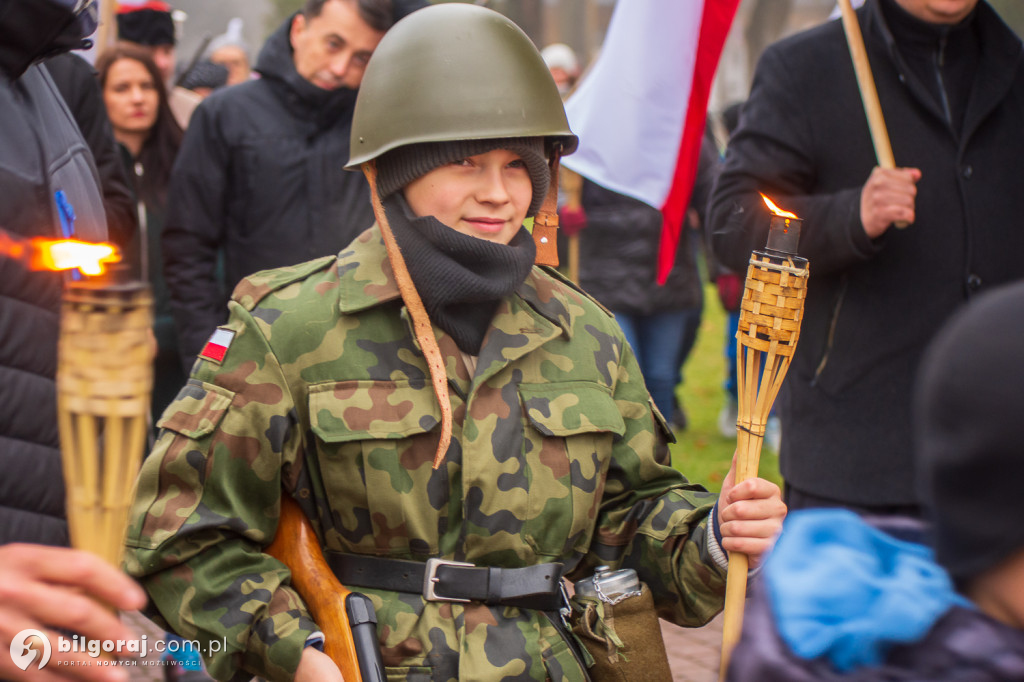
pixel 531 587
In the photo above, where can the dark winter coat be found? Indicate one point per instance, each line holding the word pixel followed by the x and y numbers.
pixel 43 151
pixel 965 645
pixel 873 305
pixel 619 249
pixel 619 257
pixel 259 178
pixel 79 87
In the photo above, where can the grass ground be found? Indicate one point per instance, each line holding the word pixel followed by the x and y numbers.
pixel 701 452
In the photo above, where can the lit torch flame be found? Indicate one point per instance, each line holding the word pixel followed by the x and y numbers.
pixel 59 254
pixel 776 210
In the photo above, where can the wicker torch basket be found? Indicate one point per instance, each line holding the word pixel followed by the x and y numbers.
pixel 104 382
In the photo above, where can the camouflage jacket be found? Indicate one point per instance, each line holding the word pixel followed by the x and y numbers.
pixel 324 393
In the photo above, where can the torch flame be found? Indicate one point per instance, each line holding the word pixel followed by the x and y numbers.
pixel 65 254
pixel 776 210
pixel 59 254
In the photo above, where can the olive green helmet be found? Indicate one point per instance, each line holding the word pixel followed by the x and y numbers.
pixel 455 72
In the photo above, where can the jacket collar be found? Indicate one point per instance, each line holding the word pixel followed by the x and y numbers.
pixel 276 65
pixel 366 280
pixel 1000 59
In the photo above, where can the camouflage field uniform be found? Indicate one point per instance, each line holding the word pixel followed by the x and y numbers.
pixel 325 393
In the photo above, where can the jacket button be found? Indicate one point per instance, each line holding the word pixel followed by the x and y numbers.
pixel 967 172
pixel 973 282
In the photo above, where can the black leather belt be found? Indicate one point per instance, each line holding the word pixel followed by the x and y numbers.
pixel 531 587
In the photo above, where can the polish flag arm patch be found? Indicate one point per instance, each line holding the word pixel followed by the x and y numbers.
pixel 217 347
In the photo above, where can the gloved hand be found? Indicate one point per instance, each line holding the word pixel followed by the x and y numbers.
pixel 730 291
pixel 571 220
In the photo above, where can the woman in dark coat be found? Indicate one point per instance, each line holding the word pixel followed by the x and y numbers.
pixel 143 124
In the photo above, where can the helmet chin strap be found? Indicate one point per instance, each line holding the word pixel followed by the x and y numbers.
pixel 545 223
pixel 420 320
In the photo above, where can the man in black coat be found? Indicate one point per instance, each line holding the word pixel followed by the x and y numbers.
pixel 44 164
pixel 259 180
pixel 951 84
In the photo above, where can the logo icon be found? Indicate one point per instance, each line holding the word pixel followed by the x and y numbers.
pixel 23 653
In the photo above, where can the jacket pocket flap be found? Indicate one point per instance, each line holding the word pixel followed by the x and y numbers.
pixel 362 409
pixel 197 410
pixel 567 408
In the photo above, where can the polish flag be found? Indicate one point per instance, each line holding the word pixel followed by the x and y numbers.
pixel 217 347
pixel 640 110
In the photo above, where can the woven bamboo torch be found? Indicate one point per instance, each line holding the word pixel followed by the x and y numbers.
pixel 769 326
pixel 104 382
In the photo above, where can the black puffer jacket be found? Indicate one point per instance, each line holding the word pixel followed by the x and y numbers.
pixel 619 248
pixel 873 305
pixel 619 257
pixel 260 178
pixel 42 152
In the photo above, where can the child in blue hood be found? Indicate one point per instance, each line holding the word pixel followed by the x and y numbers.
pixel 847 599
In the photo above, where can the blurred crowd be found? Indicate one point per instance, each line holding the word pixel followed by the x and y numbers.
pixel 894 428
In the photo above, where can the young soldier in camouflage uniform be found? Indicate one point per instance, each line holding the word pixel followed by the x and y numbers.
pixel 318 385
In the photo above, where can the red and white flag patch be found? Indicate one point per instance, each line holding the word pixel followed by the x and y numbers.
pixel 217 347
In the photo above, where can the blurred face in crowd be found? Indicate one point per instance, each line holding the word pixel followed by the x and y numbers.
pixel 939 11
pixel 234 60
pixel 563 79
pixel 484 196
pixel 163 56
pixel 331 50
pixel 131 97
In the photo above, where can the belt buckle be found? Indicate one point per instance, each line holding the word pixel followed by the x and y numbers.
pixel 430 579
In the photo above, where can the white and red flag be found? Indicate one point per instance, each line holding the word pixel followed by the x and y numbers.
pixel 640 110
pixel 217 347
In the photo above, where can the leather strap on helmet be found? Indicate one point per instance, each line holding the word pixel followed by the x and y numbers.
pixel 420 320
pixel 545 223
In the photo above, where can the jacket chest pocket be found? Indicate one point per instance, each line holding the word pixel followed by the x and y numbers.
pixel 567 448
pixel 375 449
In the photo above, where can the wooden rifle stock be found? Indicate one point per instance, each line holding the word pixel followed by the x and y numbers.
pixel 298 548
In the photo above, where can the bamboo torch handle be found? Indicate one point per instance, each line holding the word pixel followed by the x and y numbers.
pixel 747 455
pixel 868 92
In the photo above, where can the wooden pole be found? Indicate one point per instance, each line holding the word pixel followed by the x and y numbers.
pixel 769 328
pixel 868 92
pixel 106 34
pixel 572 185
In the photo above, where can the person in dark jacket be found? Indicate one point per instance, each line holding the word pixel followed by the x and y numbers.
pixel 149 137
pixel 46 164
pixel 618 257
pixel 839 600
pixel 951 83
pixel 257 180
pixel 76 81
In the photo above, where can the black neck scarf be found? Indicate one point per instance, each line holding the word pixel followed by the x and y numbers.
pixel 460 278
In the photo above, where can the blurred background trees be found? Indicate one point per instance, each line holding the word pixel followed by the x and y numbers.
pixel 579 23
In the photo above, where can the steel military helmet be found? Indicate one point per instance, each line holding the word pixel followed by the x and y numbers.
pixel 455 72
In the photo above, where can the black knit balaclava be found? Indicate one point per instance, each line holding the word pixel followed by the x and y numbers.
pixel 461 279
pixel 967 414
pixel 398 167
